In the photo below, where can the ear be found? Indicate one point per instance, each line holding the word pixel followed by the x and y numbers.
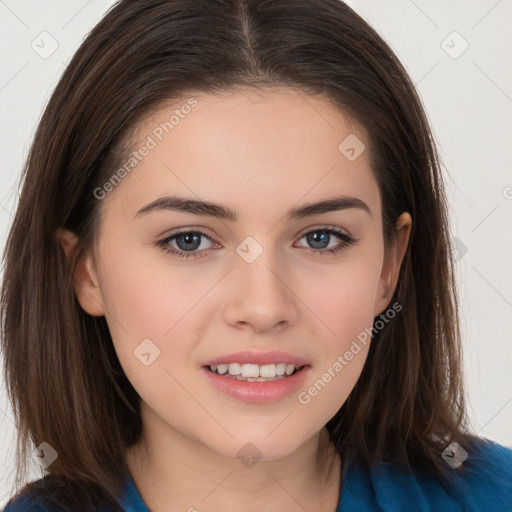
pixel 85 281
pixel 393 258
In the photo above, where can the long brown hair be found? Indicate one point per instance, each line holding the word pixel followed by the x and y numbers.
pixel 63 377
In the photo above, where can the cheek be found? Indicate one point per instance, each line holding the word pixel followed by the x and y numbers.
pixel 156 302
pixel 342 296
pixel 343 299
pixel 155 317
pixel 346 310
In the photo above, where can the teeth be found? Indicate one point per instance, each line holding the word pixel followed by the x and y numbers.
pixel 234 369
pixel 222 369
pixel 289 369
pixel 254 370
pixel 269 370
pixel 281 368
pixel 250 370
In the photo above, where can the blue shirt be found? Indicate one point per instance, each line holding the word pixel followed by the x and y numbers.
pixel 486 486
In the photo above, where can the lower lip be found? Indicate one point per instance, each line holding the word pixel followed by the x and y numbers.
pixel 257 392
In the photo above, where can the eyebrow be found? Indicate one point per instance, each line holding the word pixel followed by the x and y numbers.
pixel 189 205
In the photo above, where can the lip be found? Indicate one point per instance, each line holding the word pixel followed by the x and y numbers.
pixel 257 392
pixel 259 358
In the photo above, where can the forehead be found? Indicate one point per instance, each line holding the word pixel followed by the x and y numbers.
pixel 251 148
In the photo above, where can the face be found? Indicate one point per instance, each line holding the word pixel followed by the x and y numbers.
pixel 180 289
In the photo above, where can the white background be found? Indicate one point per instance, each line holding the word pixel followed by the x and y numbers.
pixel 468 100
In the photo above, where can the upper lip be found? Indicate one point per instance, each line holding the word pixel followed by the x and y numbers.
pixel 259 358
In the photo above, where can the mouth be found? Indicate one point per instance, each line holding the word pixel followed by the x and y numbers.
pixel 255 373
pixel 248 385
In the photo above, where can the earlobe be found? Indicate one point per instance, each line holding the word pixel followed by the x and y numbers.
pixel 393 258
pixel 85 281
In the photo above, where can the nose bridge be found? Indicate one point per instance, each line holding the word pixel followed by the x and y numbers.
pixel 262 297
pixel 258 263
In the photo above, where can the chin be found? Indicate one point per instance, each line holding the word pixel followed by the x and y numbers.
pixel 261 447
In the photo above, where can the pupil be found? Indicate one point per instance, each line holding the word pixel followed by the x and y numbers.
pixel 313 238
pixel 189 238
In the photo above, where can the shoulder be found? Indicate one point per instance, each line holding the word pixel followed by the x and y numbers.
pixel 31 503
pixel 44 495
pixel 485 483
pixel 27 503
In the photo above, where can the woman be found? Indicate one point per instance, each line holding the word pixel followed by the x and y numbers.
pixel 177 336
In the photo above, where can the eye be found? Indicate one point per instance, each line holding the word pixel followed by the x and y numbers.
pixel 189 243
pixel 324 235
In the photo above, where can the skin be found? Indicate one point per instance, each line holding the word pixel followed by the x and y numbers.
pixel 260 153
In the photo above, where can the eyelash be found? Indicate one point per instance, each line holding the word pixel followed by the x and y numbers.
pixel 347 240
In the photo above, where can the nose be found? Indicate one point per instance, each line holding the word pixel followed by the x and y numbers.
pixel 260 297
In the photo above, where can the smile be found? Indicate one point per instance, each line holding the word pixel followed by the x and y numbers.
pixel 254 372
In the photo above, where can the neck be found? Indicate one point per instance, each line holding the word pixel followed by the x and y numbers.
pixel 172 472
